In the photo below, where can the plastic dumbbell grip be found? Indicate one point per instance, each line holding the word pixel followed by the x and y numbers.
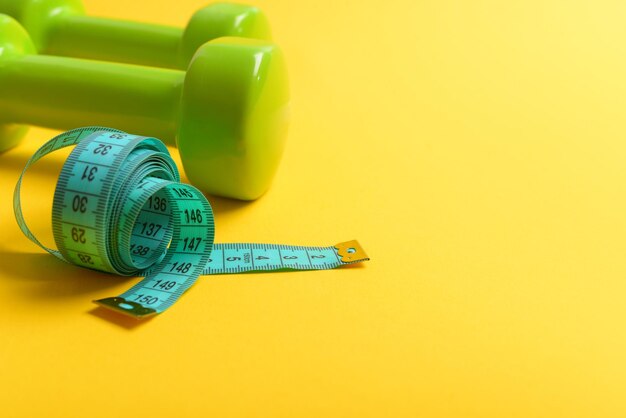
pixel 63 93
pixel 115 40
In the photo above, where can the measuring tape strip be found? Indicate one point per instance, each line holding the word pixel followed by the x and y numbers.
pixel 243 258
pixel 119 207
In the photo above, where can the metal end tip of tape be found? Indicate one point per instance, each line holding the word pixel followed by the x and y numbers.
pixel 126 307
pixel 351 252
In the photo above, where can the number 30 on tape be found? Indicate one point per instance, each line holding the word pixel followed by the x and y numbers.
pixel 119 207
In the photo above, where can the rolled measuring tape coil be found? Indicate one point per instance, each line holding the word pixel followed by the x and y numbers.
pixel 119 207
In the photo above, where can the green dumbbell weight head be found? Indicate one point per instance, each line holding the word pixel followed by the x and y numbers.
pixel 228 113
pixel 61 27
pixel 221 20
pixel 38 17
pixel 236 99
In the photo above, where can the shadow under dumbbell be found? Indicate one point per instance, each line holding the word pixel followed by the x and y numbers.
pixel 14 161
pixel 222 205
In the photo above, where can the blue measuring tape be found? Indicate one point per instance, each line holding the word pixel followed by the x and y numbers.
pixel 119 207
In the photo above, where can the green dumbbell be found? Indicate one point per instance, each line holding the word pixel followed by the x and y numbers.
pixel 60 27
pixel 227 114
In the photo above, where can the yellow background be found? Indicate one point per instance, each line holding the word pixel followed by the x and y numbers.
pixel 475 148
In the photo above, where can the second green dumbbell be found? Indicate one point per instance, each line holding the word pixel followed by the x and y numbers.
pixel 60 27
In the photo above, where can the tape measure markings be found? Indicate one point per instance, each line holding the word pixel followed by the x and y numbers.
pixel 269 257
pixel 119 207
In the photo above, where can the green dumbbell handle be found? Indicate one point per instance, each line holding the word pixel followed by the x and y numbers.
pixel 60 27
pixel 62 93
pixel 115 40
